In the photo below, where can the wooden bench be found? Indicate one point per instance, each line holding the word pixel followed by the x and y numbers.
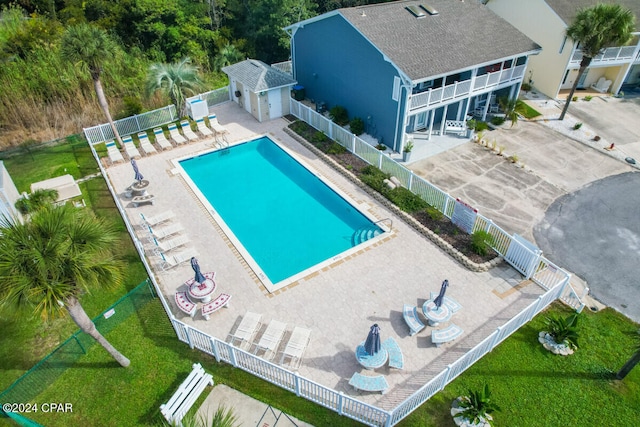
pixel 451 332
pixel 209 308
pixel 186 395
pixel 455 126
pixel 410 314
pixel 396 359
pixel 367 383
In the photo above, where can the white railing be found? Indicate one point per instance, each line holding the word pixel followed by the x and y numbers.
pixel 460 89
pixel 213 97
pixel 452 371
pixel 523 255
pixel 131 125
pixel 285 67
pixel 139 122
pixel 611 54
pixel 546 274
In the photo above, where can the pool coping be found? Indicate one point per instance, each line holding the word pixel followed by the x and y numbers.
pixel 260 276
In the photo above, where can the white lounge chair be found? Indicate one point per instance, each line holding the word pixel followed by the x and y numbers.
pixel 162 140
pixel 169 230
pixel 171 260
pixel 202 127
pixel 247 328
pixel 186 130
pixel 115 155
pixel 271 339
pixel 175 134
pixel 145 144
pixel 296 346
pixel 130 147
pixel 151 221
pixel 217 127
pixel 170 244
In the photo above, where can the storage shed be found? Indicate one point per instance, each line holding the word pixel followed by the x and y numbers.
pixel 260 89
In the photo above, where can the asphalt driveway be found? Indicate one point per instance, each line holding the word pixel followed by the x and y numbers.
pixel 570 197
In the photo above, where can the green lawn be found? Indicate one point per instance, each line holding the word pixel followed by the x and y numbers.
pixel 528 111
pixel 532 386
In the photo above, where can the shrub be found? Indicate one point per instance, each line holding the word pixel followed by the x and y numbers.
pixel 434 213
pixel 477 406
pixel 563 330
pixel 526 87
pixel 357 126
pixel 588 98
pixel 405 199
pixel 339 115
pixel 472 123
pixel 575 98
pixel 481 242
pixel 577 126
pixel 374 177
pixel 336 148
pixel 319 137
pixel 381 147
pixel 299 127
pixel 480 126
pixel 497 120
pixel 131 107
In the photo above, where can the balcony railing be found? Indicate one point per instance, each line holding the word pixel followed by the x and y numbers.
pixel 460 89
pixel 609 55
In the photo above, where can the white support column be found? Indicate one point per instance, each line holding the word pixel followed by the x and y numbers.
pixel 431 116
pixel 444 118
pixel 459 115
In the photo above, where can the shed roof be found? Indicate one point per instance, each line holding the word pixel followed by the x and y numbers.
pixel 461 35
pixel 257 76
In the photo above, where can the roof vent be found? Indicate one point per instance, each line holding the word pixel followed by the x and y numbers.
pixel 430 10
pixel 415 11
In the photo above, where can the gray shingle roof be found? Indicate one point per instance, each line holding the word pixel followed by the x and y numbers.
pixel 462 35
pixel 567 9
pixel 257 76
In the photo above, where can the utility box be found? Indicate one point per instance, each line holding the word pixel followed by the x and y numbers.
pixel 297 92
pixel 198 109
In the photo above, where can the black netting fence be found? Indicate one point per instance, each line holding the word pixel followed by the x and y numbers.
pixel 45 372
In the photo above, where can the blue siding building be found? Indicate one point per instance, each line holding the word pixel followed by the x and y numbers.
pixel 411 70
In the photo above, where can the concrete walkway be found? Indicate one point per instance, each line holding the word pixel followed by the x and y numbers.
pixel 248 411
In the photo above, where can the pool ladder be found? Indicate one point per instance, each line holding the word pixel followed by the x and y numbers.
pixel 222 141
pixel 386 219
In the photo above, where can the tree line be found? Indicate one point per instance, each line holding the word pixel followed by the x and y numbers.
pixel 45 96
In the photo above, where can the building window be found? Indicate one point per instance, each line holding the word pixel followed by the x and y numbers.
pixel 396 88
pixel 565 77
pixel 562 45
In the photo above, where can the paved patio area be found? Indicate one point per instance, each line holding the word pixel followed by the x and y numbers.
pixel 340 302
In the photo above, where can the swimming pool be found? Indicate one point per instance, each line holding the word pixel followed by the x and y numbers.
pixel 287 221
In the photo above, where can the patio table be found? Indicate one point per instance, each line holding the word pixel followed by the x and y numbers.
pixel 435 314
pixel 371 361
pixel 202 291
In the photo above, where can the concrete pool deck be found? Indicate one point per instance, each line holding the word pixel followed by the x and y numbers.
pixel 340 302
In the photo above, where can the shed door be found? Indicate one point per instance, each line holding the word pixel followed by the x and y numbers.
pixel 275 103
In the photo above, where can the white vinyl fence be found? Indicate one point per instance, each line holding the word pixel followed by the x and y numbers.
pixel 131 125
pixel 523 255
pixel 213 97
pixel 552 278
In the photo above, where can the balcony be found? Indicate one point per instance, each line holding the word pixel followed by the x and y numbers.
pixel 610 56
pixel 459 90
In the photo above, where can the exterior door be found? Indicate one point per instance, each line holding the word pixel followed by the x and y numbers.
pixel 275 103
pixel 421 121
pixel 582 79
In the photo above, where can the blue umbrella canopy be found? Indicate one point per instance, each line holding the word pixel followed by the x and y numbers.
pixel 440 297
pixel 196 268
pixel 372 344
pixel 138 176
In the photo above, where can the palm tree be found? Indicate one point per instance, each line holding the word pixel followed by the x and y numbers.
pixel 36 200
pixel 632 362
pixel 596 28
pixel 48 261
pixel 176 80
pixel 512 108
pixel 91 47
pixel 223 417
pixel 229 54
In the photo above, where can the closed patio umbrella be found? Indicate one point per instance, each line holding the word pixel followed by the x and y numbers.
pixel 440 298
pixel 372 344
pixel 138 176
pixel 196 268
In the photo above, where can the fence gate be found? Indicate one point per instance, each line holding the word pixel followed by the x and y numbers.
pixel 523 255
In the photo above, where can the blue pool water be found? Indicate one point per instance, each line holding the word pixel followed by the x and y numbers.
pixel 284 216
